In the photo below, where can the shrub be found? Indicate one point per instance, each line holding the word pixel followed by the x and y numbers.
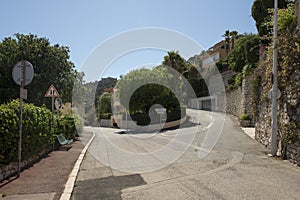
pixel 245 117
pixel 37 134
pixel 105 116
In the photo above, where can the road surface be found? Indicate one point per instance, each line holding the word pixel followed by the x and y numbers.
pixel 184 164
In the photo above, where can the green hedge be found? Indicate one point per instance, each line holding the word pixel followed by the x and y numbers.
pixel 65 124
pixel 37 134
pixel 143 119
pixel 105 115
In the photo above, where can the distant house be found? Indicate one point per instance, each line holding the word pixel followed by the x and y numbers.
pixel 109 90
pixel 215 53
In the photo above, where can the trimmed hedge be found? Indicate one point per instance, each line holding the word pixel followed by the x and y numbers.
pixel 37 134
pixel 143 119
pixel 105 115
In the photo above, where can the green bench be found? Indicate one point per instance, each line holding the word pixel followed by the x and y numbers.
pixel 62 140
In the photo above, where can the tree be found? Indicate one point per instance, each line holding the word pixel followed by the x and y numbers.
pixel 51 66
pixel 233 36
pixel 227 40
pixel 174 60
pixel 246 52
pixel 105 83
pixel 151 91
pixel 104 104
pixel 260 12
pixel 230 37
pixel 287 20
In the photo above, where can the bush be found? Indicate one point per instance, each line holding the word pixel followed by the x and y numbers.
pixel 143 119
pixel 37 134
pixel 245 117
pixel 38 131
pixel 67 126
pixel 105 116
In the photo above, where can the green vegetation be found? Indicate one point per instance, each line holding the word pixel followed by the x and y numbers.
pixel 38 133
pixel 288 72
pixel 102 101
pixel 245 53
pixel 287 20
pixel 104 106
pixel 190 70
pixel 51 66
pixel 260 12
pixel 243 58
pixel 245 117
pixel 151 92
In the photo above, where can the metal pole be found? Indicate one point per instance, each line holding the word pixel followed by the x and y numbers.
pixel 160 121
pixel 126 120
pixel 274 86
pixel 52 114
pixel 52 125
pixel 21 118
pixel 52 107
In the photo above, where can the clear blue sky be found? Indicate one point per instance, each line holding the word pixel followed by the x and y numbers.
pixel 83 25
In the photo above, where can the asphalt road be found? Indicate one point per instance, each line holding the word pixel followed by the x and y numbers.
pixel 208 158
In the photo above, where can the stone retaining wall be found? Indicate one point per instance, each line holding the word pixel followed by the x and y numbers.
pixel 234 101
pixel 238 99
pixel 288 116
pixel 293 153
pixel 11 169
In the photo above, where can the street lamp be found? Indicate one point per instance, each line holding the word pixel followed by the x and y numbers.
pixel 274 85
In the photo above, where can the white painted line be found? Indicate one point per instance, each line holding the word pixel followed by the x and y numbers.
pixel 66 195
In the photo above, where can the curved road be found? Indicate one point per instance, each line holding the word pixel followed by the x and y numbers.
pixel 209 157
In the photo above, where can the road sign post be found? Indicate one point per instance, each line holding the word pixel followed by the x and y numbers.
pixel 160 111
pixel 22 75
pixel 52 92
pixel 274 86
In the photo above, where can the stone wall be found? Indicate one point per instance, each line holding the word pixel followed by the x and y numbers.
pixel 293 153
pixel 288 116
pixel 238 99
pixel 11 169
pixel 234 101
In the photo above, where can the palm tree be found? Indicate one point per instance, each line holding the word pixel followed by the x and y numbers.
pixel 227 40
pixel 233 36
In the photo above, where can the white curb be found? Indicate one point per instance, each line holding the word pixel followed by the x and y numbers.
pixel 66 195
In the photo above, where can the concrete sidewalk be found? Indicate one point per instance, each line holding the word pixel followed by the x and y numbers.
pixel 46 179
pixel 250 132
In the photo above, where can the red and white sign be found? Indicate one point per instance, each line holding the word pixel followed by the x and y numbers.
pixel 52 92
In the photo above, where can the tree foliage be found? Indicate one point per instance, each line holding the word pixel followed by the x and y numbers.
pixel 260 12
pixel 245 52
pixel 37 133
pixel 140 99
pixel 175 61
pixel 51 66
pixel 287 20
pixel 104 104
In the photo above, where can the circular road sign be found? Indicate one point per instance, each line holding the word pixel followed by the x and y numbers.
pixel 28 72
pixel 58 103
pixel 271 94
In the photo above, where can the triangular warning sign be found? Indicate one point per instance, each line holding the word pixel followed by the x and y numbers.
pixel 52 92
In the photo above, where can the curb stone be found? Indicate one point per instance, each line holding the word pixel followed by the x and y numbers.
pixel 67 193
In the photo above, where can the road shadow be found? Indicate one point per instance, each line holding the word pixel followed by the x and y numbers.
pixel 187 124
pixel 108 188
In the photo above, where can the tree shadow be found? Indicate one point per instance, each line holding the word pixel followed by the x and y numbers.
pixel 187 124
pixel 105 188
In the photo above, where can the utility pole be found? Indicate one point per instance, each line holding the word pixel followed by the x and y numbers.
pixel 274 85
pixel 22 83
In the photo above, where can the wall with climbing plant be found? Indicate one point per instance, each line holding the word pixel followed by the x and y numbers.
pixel 288 103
